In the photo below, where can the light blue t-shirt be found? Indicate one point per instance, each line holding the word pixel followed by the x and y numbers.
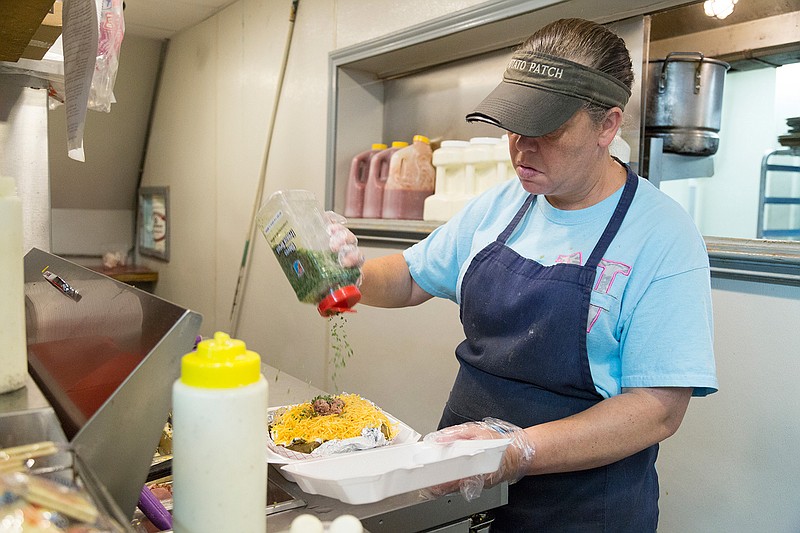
pixel 650 321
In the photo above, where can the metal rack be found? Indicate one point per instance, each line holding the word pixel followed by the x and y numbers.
pixel 767 169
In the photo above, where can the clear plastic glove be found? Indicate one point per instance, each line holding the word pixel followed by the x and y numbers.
pixel 516 459
pixel 343 241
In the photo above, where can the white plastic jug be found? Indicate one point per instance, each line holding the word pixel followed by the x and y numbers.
pixel 620 148
pixel 505 167
pixel 450 193
pixel 481 163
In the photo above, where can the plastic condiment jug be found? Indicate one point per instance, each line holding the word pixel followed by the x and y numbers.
pixel 502 156
pixel 14 354
pixel 219 414
pixel 378 175
pixel 357 181
pixel 450 193
pixel 297 232
pixel 411 179
pixel 481 163
pixel 620 148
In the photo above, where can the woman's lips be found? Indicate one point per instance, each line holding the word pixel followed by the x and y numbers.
pixel 527 173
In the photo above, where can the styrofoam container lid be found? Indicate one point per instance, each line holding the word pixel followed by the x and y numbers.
pixel 372 475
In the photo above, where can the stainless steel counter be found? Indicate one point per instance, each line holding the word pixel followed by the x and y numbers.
pixel 26 416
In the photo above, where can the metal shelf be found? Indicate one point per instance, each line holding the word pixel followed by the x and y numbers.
pixel 764 200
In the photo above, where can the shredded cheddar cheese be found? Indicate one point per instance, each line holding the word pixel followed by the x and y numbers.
pixel 299 423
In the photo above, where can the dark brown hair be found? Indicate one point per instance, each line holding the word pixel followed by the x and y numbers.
pixel 587 43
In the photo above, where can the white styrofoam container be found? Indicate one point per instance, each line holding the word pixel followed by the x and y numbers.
pixel 405 435
pixel 373 475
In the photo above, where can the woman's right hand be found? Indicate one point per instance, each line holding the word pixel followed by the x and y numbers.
pixel 343 241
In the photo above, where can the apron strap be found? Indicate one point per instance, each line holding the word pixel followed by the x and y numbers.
pixel 503 237
pixel 631 183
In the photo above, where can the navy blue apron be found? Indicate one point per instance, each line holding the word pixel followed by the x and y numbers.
pixel 524 360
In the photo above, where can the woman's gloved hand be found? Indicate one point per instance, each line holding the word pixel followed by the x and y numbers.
pixel 343 242
pixel 516 462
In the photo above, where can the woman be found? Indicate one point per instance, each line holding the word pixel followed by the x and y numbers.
pixel 584 294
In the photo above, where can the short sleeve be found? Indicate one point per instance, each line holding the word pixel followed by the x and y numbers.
pixel 668 341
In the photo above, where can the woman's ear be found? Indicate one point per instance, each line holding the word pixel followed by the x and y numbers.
pixel 609 127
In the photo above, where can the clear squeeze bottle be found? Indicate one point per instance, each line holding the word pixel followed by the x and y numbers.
pixel 219 414
pixel 297 232
pixel 14 355
pixel 357 181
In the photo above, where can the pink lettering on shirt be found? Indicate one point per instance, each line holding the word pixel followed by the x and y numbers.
pixel 608 273
pixel 605 279
pixel 570 259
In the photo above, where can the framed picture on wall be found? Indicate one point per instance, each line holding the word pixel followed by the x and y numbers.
pixel 152 226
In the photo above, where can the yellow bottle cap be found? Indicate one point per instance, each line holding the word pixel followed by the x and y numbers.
pixel 399 144
pixel 421 138
pixel 379 146
pixel 220 363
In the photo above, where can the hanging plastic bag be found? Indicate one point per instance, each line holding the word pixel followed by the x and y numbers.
pixel 111 31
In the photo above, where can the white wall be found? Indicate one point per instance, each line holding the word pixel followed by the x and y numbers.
pixel 733 464
pixel 94 201
pixel 207 144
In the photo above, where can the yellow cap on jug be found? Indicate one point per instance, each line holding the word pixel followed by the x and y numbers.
pixel 399 144
pixel 379 146
pixel 421 138
pixel 220 363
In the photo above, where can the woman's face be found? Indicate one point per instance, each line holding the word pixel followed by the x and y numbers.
pixel 561 164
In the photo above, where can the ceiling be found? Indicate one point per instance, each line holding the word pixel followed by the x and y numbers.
pixel 691 18
pixel 161 19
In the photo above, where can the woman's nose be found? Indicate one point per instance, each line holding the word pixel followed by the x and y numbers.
pixel 522 143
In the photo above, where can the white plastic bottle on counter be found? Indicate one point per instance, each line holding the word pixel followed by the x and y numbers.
pixel 14 355
pixel 219 413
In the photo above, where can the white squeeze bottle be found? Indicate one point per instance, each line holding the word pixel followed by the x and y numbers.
pixel 14 354
pixel 219 440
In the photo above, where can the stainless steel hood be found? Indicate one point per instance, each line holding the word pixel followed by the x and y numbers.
pixel 106 362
